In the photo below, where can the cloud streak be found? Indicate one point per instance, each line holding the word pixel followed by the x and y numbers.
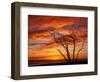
pixel 41 42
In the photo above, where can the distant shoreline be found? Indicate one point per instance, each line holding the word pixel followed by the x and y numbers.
pixel 53 62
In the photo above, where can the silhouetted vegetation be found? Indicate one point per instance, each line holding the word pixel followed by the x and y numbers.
pixel 64 41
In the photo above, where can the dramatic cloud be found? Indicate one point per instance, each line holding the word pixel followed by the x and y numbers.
pixel 41 43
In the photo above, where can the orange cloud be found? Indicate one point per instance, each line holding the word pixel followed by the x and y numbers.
pixel 41 44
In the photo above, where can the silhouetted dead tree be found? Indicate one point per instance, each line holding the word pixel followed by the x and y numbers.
pixel 60 39
pixel 63 41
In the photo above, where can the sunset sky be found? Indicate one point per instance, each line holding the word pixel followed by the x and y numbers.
pixel 41 45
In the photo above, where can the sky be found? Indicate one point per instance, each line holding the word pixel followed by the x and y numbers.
pixel 41 44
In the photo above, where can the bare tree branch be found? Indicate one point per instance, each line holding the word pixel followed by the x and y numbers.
pixel 73 48
pixel 74 44
pixel 68 54
pixel 63 55
pixel 66 49
pixel 65 46
pixel 79 50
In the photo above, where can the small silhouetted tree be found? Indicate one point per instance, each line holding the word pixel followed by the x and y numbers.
pixel 64 41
